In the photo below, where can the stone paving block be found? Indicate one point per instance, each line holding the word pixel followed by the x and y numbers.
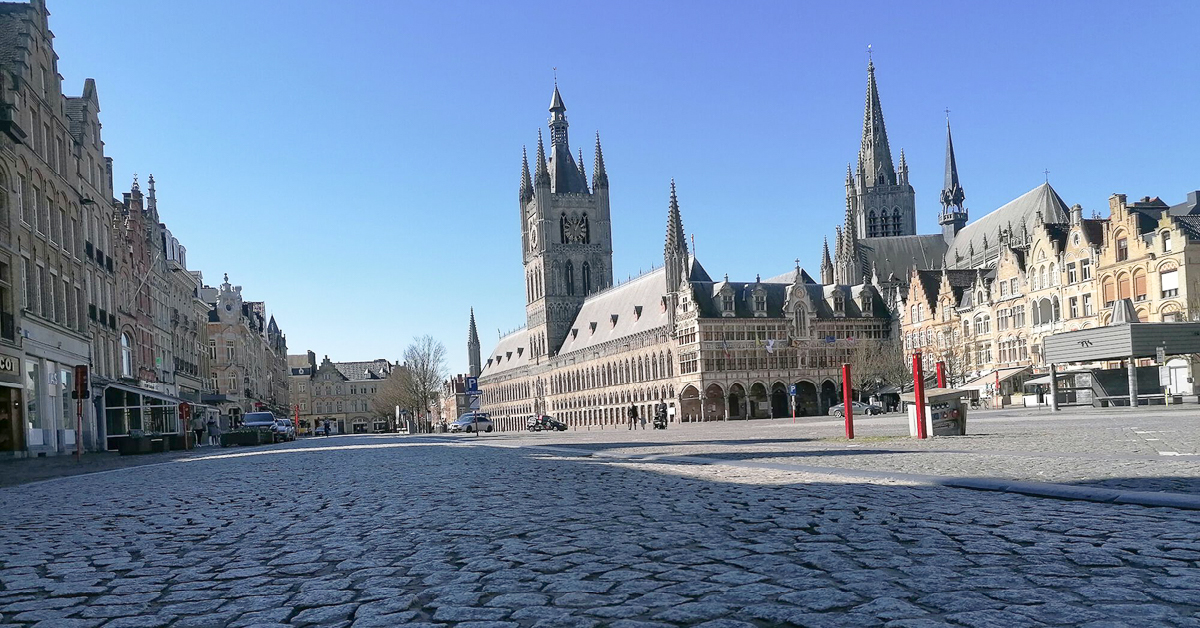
pixel 324 615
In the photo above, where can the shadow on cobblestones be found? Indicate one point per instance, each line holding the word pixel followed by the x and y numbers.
pixel 504 537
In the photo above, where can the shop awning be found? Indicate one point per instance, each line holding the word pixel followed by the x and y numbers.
pixel 981 383
pixel 145 393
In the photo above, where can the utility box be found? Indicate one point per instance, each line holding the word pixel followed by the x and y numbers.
pixel 945 412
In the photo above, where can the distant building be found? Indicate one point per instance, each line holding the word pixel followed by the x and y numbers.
pixel 342 393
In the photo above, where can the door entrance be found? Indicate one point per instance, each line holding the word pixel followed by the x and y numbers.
pixel 12 432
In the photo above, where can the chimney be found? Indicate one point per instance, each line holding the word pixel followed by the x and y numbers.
pixel 1076 214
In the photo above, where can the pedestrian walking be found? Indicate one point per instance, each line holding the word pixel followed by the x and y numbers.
pixel 633 416
pixel 198 428
pixel 327 427
pixel 214 432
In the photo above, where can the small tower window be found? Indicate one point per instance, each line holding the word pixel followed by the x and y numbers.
pixel 727 302
pixel 570 278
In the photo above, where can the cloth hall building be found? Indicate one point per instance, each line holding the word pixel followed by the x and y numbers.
pixel 710 349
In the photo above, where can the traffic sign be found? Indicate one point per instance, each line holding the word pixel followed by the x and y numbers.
pixel 1161 354
pixel 792 390
pixel 474 403
pixel 472 385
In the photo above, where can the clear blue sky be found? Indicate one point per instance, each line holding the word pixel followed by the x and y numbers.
pixel 356 164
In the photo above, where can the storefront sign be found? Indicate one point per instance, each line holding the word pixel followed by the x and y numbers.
pixel 10 366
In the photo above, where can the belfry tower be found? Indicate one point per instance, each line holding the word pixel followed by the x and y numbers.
pixel 566 235
pixel 881 199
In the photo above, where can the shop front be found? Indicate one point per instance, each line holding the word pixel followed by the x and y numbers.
pixel 48 370
pixel 12 425
pixel 132 412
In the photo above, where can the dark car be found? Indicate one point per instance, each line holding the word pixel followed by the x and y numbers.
pixel 545 422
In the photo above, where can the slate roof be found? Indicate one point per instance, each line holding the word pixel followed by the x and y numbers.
pixel 1189 225
pixel 1190 206
pixel 899 255
pixel 1093 230
pixel 374 369
pixel 511 352
pixel 12 16
pixel 931 281
pixel 1022 210
pixel 594 325
pixel 790 277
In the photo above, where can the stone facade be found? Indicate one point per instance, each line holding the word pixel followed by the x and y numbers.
pixel 1062 276
pixel 247 354
pixel 707 349
pixel 342 393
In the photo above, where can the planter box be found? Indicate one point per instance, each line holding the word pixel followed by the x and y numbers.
pixel 158 444
pixel 133 445
pixel 180 442
pixel 257 437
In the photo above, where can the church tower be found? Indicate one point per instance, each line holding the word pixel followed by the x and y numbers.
pixel 882 201
pixel 566 235
pixel 473 368
pixel 953 215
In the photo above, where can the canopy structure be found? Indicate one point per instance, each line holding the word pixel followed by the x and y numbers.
pixel 1125 339
pixel 1004 374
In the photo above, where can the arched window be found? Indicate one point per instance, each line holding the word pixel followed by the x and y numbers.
pixel 871 223
pixel 126 356
pixel 1042 278
pixel 562 228
pixel 896 221
pixel 569 277
pixel 1123 291
pixel 587 278
pixel 1053 275
pixel 1055 309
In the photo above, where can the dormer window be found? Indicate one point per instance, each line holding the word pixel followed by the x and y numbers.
pixel 727 303
pixel 839 304
pixel 867 304
pixel 520 350
pixel 637 312
pixel 613 320
pixel 592 327
pixel 760 303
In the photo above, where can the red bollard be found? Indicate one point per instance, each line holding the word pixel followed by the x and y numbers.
pixel 941 374
pixel 847 398
pixel 919 394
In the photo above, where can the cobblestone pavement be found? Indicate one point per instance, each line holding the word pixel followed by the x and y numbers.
pixel 1150 450
pixel 388 531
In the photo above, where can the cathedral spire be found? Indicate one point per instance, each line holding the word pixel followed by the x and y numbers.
pixel 473 347
pixel 526 181
pixel 952 192
pixel 875 152
pixel 953 216
pixel 599 174
pixel 541 174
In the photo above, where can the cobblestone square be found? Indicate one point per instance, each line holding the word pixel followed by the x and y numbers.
pixel 561 530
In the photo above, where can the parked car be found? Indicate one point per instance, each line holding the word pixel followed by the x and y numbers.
pixel 469 422
pixel 860 408
pixel 265 421
pixel 285 429
pixel 544 422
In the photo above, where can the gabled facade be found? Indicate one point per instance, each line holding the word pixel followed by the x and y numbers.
pixel 340 393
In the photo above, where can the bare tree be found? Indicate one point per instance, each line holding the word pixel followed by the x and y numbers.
pixel 416 386
pixel 878 363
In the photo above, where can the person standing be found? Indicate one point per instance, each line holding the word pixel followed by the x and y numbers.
pixel 198 428
pixel 214 432
pixel 327 427
pixel 633 416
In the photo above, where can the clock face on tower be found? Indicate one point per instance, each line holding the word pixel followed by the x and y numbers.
pixel 576 231
pixel 533 235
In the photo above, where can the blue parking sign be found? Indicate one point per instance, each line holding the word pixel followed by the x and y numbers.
pixel 472 385
pixel 792 390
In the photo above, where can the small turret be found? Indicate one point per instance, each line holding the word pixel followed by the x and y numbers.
pixel 953 216
pixel 541 177
pixel 599 174
pixel 526 182
pixel 826 264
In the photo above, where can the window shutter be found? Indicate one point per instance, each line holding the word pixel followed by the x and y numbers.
pixel 1170 280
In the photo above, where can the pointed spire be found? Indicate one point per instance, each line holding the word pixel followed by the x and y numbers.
pixel 556 101
pixel 599 174
pixel 541 174
pixel 526 181
pixel 952 192
pixel 825 253
pixel 582 172
pixel 472 332
pixel 876 154
pixel 152 201
pixel 675 251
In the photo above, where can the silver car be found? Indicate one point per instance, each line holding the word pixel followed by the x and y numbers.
pixel 470 422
